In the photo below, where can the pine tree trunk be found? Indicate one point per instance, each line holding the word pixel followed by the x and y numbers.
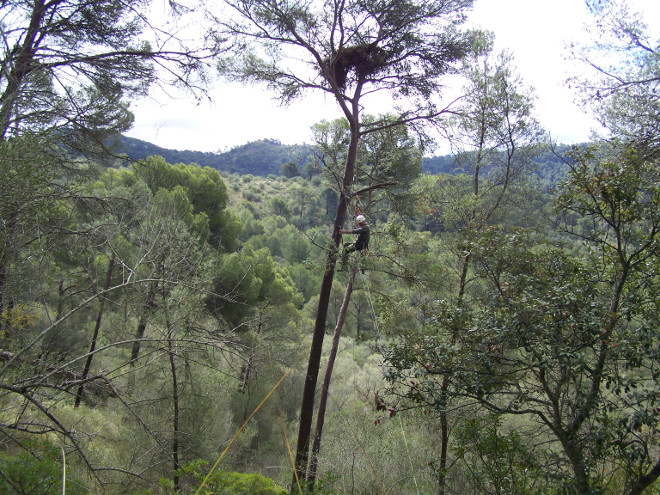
pixel 175 419
pixel 314 363
pixel 142 323
pixel 97 328
pixel 320 418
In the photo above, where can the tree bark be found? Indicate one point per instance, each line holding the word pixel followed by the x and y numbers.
pixel 320 417
pixel 314 363
pixel 645 481
pixel 444 440
pixel 175 419
pixel 9 226
pixel 3 281
pixel 97 328
pixel 142 323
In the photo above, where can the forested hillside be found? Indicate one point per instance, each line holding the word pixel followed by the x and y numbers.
pixel 188 323
pixel 266 157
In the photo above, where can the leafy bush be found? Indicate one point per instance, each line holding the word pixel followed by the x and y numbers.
pixel 37 470
pixel 229 483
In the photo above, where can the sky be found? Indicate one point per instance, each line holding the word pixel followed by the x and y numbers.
pixel 535 31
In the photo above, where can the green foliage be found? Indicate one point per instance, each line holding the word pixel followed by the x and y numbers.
pixel 204 189
pixel 37 97
pixel 248 278
pixel 290 169
pixel 31 200
pixel 622 87
pixel 389 159
pixel 498 461
pixel 57 88
pixel 38 470
pixel 159 232
pixel 549 166
pixel 538 346
pixel 553 327
pixel 324 485
pixel 279 207
pixel 226 482
pixel 260 158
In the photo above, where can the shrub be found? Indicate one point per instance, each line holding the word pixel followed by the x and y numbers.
pixel 229 483
pixel 36 470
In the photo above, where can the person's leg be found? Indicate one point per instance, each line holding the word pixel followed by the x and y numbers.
pixel 344 255
pixel 359 257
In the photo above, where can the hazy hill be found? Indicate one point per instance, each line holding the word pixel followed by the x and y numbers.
pixel 263 157
pixel 266 157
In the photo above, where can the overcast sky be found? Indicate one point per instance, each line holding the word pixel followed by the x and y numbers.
pixel 535 31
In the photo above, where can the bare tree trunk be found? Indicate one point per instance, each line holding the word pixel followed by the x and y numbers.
pixel 175 419
pixel 97 328
pixel 142 323
pixel 314 363
pixel 3 281
pixel 444 440
pixel 574 454
pixel 320 417
pixel 9 227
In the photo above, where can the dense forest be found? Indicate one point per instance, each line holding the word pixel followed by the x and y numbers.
pixel 264 157
pixel 186 322
pixel 270 157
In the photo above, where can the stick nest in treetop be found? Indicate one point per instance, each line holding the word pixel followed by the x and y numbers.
pixel 365 59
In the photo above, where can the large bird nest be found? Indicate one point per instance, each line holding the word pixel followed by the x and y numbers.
pixel 364 60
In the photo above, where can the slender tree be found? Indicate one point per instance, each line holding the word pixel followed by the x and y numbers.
pixel 495 137
pixel 327 379
pixel 95 335
pixel 349 50
pixel 622 86
pixel 388 162
pixel 70 65
pixel 558 341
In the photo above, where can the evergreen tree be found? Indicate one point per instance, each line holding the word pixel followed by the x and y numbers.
pixel 69 67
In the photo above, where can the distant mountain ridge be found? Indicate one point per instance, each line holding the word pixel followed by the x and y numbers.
pixel 263 157
pixel 266 157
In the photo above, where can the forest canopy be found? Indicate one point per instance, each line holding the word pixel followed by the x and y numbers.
pixel 500 333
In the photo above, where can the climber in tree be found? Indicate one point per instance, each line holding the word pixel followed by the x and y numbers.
pixel 362 241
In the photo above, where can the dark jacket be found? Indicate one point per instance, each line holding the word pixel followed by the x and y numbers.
pixel 364 234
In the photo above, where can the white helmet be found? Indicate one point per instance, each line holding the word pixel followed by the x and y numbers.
pixel 360 219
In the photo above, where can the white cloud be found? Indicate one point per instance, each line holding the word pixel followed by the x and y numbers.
pixel 535 32
pixel 236 116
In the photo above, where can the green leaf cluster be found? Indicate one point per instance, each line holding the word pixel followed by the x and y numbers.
pixel 38 468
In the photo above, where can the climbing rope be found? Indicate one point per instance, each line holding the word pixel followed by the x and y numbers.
pixel 243 426
pixel 286 437
pixel 405 442
pixel 369 298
